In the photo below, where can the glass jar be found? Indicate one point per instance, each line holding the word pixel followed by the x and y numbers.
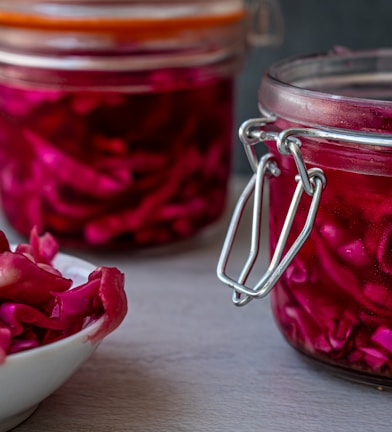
pixel 327 123
pixel 116 117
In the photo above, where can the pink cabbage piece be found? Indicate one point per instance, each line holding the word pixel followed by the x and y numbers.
pixel 38 305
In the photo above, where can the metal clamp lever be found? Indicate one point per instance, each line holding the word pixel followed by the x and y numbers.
pixel 279 263
pixel 311 181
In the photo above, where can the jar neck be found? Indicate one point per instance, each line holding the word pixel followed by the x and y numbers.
pixel 62 51
pixel 349 90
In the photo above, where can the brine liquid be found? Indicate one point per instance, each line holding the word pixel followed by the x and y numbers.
pixel 334 302
pixel 112 168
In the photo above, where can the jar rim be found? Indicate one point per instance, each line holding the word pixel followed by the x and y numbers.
pixel 141 18
pixel 341 88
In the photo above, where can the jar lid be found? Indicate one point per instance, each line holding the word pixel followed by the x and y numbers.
pixel 147 17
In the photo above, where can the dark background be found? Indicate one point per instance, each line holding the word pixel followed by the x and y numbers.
pixel 312 26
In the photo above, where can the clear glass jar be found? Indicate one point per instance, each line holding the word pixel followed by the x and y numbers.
pixel 116 118
pixel 327 122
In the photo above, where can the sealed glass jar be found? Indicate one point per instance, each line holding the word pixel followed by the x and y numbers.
pixel 116 117
pixel 327 123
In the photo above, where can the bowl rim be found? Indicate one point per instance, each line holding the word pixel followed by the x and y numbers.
pixel 82 335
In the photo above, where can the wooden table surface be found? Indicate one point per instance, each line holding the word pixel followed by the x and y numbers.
pixel 185 359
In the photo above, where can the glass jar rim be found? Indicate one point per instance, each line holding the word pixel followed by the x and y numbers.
pixel 341 89
pixel 123 16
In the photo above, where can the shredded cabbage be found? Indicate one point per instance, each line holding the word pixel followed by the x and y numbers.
pixel 39 306
pixel 112 169
pixel 334 301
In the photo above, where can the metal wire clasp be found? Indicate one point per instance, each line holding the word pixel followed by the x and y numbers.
pixel 311 181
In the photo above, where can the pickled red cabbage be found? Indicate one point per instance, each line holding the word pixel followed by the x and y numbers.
pixel 334 302
pixel 38 305
pixel 112 168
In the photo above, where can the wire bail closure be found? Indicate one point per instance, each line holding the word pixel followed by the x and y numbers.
pixel 312 181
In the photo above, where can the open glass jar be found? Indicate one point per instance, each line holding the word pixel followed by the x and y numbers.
pixel 327 123
pixel 116 117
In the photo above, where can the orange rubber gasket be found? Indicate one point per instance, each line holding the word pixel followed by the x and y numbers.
pixel 141 27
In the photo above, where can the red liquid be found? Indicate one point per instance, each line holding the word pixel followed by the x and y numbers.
pixel 112 169
pixel 334 300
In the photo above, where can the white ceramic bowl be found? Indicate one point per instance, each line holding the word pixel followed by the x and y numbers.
pixel 28 377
